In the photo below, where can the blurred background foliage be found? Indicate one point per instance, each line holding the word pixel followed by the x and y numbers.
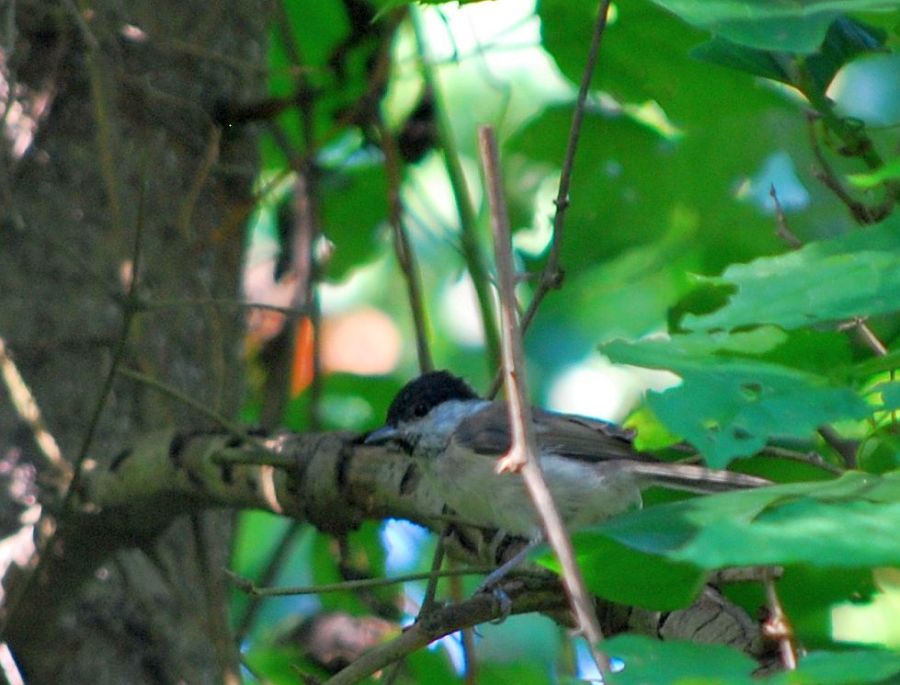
pixel 732 209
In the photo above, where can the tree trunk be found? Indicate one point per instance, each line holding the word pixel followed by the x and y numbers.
pixel 129 176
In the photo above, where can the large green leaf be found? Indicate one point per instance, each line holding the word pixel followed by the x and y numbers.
pixel 770 24
pixel 730 404
pixel 633 181
pixel 842 668
pixel 845 40
pixel 848 522
pixel 669 663
pixel 649 277
pixel 857 274
pixel 629 576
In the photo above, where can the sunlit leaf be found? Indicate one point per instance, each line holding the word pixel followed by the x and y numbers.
pixel 669 663
pixel 857 274
pixel 730 404
pixel 848 522
pixel 770 24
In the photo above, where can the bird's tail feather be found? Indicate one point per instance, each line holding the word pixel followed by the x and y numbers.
pixel 694 478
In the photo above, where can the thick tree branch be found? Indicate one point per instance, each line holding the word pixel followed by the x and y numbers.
pixel 329 479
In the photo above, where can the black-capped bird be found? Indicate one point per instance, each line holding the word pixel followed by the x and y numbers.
pixel 591 466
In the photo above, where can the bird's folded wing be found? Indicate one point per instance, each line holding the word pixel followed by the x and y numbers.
pixel 487 432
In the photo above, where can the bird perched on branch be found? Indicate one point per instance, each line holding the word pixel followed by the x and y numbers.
pixel 591 466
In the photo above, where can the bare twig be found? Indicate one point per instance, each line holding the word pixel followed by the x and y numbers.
pixel 198 406
pixel 406 258
pixel 470 662
pixel 26 406
pixel 8 666
pixel 468 237
pixel 845 448
pixel 826 175
pixel 273 567
pixel 812 458
pixel 304 261
pixel 251 588
pixel 781 227
pixel 437 560
pixel 130 308
pixel 89 38
pixel 158 305
pixel 186 208
pixel 478 609
pixel 867 335
pixel 522 455
pixel 777 626
pixel 552 275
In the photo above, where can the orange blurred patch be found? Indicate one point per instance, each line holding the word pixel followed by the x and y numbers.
pixel 365 342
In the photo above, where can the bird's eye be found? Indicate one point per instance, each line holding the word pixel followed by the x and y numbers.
pixel 420 410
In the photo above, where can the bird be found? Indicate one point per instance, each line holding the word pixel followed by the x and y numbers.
pixel 591 466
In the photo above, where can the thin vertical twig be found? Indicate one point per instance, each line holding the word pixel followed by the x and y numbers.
pixel 777 626
pixel 131 305
pixel 782 230
pixel 552 275
pixel 270 572
pixel 468 236
pixel 827 176
pixel 522 455
pixel 406 258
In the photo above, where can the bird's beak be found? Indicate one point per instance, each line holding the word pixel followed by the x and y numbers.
pixel 382 435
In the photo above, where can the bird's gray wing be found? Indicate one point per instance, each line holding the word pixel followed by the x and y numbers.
pixel 487 432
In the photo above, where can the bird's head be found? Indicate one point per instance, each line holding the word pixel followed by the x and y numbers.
pixel 429 407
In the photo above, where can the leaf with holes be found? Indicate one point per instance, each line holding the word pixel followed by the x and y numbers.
pixel 729 404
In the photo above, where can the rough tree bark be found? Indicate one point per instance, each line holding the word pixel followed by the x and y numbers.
pixel 126 94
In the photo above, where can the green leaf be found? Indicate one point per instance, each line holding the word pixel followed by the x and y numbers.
pixel 888 172
pixel 431 666
pixel 880 452
pixel 721 51
pixel 842 668
pixel 809 593
pixel 628 576
pixel 888 362
pixel 798 27
pixel 669 663
pixel 857 274
pixel 845 40
pixel 631 184
pixel 729 406
pixel 890 395
pixel 354 203
pixel 848 522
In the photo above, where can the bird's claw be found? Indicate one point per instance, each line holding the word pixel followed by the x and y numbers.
pixel 503 602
